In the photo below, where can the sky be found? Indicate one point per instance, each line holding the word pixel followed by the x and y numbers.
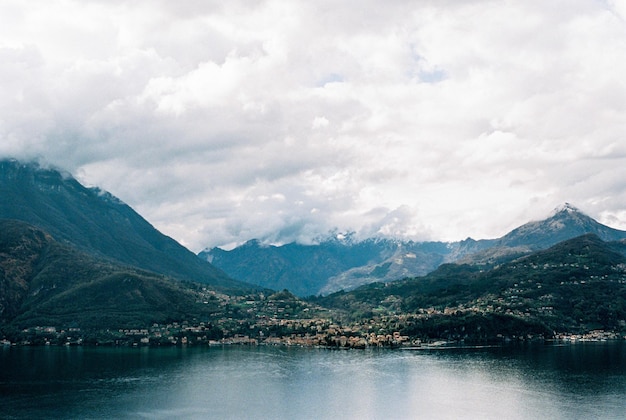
pixel 224 121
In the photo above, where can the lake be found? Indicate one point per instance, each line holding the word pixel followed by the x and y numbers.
pixel 585 380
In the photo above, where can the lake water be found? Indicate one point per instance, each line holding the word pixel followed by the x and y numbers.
pixel 585 381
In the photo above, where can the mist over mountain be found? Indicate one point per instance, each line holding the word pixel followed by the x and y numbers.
pixel 96 222
pixel 77 257
pixel 303 269
pixel 334 264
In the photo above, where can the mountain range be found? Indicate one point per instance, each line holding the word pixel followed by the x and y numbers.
pixel 78 258
pixel 344 264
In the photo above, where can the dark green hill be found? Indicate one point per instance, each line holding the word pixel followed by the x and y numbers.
pixel 43 282
pixel 97 223
pixel 576 285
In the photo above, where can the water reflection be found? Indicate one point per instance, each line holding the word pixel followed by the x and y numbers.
pixel 580 381
pixel 571 381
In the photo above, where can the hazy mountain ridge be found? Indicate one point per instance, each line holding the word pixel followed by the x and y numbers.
pixel 276 267
pixel 96 222
pixel 351 264
pixel 331 265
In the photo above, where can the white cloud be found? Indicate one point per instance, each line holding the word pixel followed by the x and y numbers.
pixel 224 121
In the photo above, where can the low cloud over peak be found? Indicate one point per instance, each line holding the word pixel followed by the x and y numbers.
pixel 284 120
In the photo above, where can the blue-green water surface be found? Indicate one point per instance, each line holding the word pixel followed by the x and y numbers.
pixel 585 381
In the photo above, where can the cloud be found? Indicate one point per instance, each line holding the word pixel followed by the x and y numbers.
pixel 226 121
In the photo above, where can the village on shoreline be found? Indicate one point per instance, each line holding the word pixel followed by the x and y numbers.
pixel 282 319
pixel 319 333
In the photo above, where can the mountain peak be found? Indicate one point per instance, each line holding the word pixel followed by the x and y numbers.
pixel 96 222
pixel 566 222
pixel 566 208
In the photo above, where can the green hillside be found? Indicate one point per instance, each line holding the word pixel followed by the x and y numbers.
pixel 43 282
pixel 577 285
pixel 98 223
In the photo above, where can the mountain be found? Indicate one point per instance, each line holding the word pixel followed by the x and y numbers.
pixel 97 223
pixel 303 269
pixel 334 265
pixel 44 282
pixel 403 259
pixel 576 285
pixel 77 257
pixel 565 223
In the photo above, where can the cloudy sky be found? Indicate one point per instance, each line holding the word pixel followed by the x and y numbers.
pixel 222 121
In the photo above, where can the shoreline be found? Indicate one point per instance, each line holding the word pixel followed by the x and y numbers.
pixel 421 346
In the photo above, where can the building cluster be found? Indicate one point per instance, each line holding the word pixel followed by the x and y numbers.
pixel 595 335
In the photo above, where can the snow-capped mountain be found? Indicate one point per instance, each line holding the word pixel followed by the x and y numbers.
pixel 334 265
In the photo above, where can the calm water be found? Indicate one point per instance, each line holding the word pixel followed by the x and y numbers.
pixel 527 382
